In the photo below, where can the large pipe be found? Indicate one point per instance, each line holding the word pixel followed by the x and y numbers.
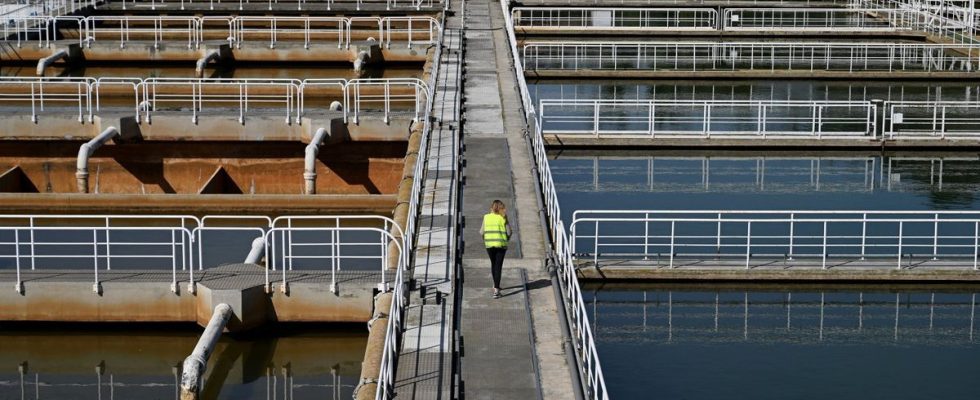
pixel 86 151
pixel 202 62
pixel 309 163
pixel 46 62
pixel 258 251
pixel 196 363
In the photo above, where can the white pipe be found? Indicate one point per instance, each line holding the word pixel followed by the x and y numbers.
pixel 202 62
pixel 46 62
pixel 309 164
pixel 197 363
pixel 258 251
pixel 86 151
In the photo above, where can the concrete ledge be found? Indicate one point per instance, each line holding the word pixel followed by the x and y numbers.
pixel 768 275
pixel 196 204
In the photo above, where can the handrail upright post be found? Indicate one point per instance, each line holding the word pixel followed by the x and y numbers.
pixel 900 229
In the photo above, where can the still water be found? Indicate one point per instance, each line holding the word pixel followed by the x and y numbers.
pixel 144 363
pixel 657 180
pixel 724 342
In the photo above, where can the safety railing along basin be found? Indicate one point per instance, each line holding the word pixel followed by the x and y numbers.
pixel 932 120
pixel 819 239
pixel 819 19
pixel 52 95
pixel 98 243
pixel 626 19
pixel 246 96
pixel 586 355
pixel 387 95
pixel 306 30
pixel 752 56
pixel 726 118
pixel 156 30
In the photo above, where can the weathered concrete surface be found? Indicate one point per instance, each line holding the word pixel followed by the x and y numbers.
pixel 140 296
pixel 78 203
pixel 212 124
pixel 357 168
pixel 721 142
pixel 497 165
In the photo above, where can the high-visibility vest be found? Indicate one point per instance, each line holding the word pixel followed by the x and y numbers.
pixel 494 230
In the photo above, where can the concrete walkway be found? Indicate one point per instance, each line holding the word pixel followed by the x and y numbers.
pixel 512 346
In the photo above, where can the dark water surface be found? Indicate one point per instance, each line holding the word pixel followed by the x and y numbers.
pixel 711 342
pixel 134 363
pixel 654 180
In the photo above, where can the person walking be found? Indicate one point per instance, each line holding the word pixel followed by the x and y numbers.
pixel 496 232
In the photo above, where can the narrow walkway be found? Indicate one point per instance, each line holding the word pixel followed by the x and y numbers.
pixel 512 346
pixel 425 364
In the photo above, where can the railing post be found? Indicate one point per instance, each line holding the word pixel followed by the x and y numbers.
pixel 748 243
pixel 671 264
pixel 823 263
pixel 976 243
pixel 935 237
pixel 864 233
pixel 792 228
pixel 900 229
pixel 595 246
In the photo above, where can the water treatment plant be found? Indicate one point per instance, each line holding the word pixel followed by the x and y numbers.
pixel 287 199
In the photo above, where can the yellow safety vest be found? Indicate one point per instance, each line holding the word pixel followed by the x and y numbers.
pixel 494 230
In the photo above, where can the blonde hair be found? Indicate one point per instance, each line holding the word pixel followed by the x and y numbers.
pixel 498 207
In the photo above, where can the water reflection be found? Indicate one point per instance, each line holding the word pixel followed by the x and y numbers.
pixel 693 341
pixel 146 365
pixel 653 180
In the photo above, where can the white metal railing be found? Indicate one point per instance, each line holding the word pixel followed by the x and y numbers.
pixel 189 96
pixel 577 316
pixel 236 94
pixel 828 238
pixel 820 19
pixel 152 29
pixel 194 31
pixel 727 118
pixel 732 56
pixel 931 119
pixel 68 95
pixel 627 19
pixel 181 244
pixel 97 243
pixel 387 94
pixel 283 4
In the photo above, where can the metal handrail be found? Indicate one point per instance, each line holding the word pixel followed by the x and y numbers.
pixel 281 243
pixel 856 236
pixel 242 94
pixel 577 316
pixel 155 29
pixel 99 248
pixel 931 119
pixel 706 118
pixel 356 99
pixel 770 56
pixel 820 19
pixel 41 92
pixel 272 29
pixel 627 19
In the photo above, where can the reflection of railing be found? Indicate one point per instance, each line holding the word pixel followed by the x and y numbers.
pixel 718 173
pixel 576 316
pixel 753 56
pixel 627 19
pixel 790 317
pixel 190 96
pixel 841 238
pixel 651 118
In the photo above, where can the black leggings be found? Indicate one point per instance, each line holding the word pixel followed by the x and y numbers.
pixel 496 263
